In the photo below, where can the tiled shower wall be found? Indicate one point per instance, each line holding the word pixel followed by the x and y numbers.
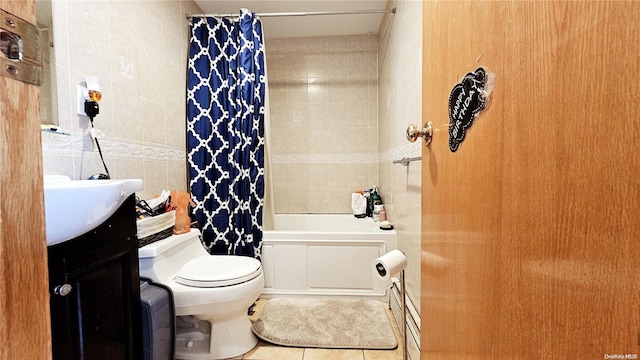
pixel 400 104
pixel 138 51
pixel 324 120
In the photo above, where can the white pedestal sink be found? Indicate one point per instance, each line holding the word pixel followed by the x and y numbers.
pixel 75 207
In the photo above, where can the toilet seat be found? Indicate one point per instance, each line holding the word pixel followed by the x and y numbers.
pixel 218 271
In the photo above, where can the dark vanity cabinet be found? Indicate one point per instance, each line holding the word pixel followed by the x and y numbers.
pixel 94 292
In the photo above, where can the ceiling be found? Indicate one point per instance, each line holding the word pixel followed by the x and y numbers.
pixel 302 26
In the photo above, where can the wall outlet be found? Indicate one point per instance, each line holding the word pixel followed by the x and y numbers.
pixel 297 116
pixel 126 67
pixel 81 89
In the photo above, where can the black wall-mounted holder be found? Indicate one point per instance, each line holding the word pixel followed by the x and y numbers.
pixel 91 108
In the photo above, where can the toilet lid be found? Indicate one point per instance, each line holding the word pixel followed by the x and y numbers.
pixel 218 270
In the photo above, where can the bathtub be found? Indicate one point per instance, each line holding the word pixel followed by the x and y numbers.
pixel 323 255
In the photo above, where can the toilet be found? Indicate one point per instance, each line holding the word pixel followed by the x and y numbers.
pixel 212 294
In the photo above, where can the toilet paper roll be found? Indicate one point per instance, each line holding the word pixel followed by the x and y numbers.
pixel 387 265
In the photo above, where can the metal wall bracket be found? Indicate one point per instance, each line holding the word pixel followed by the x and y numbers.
pixel 20 49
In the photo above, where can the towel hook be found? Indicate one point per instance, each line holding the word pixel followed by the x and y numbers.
pixel 426 133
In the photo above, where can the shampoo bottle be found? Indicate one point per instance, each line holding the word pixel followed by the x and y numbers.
pixel 375 199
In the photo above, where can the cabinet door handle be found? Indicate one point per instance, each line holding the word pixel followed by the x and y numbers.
pixel 63 290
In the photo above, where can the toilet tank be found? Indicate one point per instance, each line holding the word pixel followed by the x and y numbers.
pixel 161 260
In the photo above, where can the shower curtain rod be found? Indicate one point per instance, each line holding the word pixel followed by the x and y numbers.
pixel 313 13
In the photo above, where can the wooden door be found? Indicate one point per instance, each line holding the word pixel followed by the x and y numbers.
pixel 24 301
pixel 530 230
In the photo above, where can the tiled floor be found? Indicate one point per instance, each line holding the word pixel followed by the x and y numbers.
pixel 266 351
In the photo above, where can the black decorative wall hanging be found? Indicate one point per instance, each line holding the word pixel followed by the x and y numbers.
pixel 467 99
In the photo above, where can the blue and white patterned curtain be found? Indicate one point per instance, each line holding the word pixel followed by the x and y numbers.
pixel 225 131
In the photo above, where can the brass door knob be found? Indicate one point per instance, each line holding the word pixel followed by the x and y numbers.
pixel 426 133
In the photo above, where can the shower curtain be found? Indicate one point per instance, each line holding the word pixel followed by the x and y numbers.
pixel 226 90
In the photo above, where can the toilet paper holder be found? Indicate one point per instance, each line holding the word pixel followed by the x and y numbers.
pixel 381 270
pixel 388 264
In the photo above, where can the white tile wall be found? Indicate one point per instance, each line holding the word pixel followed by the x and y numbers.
pixel 142 111
pixel 324 121
pixel 400 104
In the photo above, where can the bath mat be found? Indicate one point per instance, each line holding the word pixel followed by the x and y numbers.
pixel 326 323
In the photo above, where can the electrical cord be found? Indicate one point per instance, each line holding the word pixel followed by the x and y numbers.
pixel 100 150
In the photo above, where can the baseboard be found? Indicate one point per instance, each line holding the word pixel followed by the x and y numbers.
pixel 412 321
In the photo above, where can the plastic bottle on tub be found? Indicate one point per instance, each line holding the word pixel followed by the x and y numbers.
pixel 374 200
pixel 369 209
pixel 377 209
pixel 359 204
